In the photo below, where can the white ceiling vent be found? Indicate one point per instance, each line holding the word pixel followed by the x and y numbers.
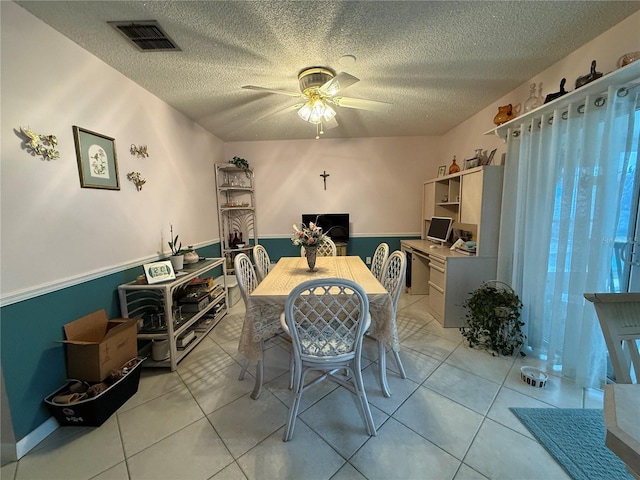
pixel 146 35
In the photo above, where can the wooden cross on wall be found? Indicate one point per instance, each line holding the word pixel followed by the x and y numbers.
pixel 324 176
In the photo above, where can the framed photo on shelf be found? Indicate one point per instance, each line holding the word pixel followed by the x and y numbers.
pixel 471 163
pixel 442 171
pixel 97 162
pixel 489 159
pixel 157 272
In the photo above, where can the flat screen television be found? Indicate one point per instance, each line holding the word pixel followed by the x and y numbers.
pixel 439 229
pixel 336 225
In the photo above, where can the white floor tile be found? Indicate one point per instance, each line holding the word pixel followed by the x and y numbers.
pixel 558 391
pixel 398 452
pixel 306 456
pixel 154 382
pixel 348 472
pixel 196 449
pixel 480 362
pixel 506 398
pixel 470 390
pixel 246 422
pixel 156 419
pixel 442 421
pixel 400 389
pixel 230 472
pixel 87 453
pixel 220 388
pixel 338 419
pixel 429 344
pixel 498 452
pixel 467 473
pixel 117 472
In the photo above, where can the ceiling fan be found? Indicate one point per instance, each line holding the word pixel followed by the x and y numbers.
pixel 319 88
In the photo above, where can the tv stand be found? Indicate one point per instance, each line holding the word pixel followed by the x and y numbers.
pixel 341 249
pixel 446 277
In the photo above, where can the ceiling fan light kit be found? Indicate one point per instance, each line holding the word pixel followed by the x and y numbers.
pixel 318 87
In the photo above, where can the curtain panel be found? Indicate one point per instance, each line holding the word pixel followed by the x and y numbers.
pixel 561 206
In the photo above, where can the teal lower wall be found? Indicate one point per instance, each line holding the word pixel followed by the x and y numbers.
pixel 33 359
pixel 362 247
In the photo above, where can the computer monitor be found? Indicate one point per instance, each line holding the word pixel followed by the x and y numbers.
pixel 439 229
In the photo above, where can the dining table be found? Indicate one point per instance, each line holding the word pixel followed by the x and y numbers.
pixel 266 303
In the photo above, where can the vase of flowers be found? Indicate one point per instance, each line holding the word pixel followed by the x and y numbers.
pixel 309 237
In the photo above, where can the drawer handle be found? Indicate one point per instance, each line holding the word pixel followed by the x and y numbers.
pixel 431 284
pixel 436 267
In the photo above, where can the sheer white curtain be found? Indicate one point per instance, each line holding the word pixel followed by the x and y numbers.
pixel 564 176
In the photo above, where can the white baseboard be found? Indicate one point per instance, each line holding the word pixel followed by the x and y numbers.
pixel 33 438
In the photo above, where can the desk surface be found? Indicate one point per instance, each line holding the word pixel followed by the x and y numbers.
pixel 622 419
pixel 266 302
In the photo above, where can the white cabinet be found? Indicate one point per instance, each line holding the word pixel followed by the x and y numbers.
pixel 446 277
pixel 236 211
pixel 163 320
pixel 472 198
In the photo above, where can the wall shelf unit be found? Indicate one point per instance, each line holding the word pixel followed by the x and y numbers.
pixel 162 319
pixel 236 211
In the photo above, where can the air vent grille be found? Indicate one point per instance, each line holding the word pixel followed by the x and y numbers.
pixel 147 35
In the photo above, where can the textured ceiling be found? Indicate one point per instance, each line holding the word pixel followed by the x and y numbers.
pixel 437 62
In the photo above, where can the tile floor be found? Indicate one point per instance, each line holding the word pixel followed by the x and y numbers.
pixel 448 420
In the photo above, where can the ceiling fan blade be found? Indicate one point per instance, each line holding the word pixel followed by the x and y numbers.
pixel 338 83
pixel 361 104
pixel 272 90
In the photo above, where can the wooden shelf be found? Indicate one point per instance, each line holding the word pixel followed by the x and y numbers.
pixel 628 73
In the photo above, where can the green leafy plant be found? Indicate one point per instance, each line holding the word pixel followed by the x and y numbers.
pixel 174 245
pixel 242 164
pixel 493 319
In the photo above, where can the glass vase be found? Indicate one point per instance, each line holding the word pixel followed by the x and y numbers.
pixel 310 253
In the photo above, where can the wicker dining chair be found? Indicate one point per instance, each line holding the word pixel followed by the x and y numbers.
pixel 379 258
pixel 326 319
pixel 393 275
pixel 247 283
pixel 325 249
pixel 262 260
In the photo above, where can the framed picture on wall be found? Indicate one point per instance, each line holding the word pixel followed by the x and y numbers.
pixel 442 171
pixel 157 272
pixel 97 162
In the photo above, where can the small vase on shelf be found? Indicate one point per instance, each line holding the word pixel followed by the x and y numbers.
pixel 310 253
pixel 533 101
pixel 454 168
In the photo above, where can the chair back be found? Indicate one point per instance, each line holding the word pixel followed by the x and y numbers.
pixel 263 262
pixel 326 319
pixel 393 276
pixel 246 276
pixel 619 317
pixel 325 249
pixel 377 262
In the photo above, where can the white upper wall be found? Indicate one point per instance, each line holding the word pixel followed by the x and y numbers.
pixel 54 231
pixel 378 181
pixel 606 49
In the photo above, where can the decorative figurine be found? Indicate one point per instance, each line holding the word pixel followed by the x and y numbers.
pixel 590 77
pixel 553 96
pixel 506 113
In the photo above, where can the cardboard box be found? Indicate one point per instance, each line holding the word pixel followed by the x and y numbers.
pixel 93 412
pixel 96 345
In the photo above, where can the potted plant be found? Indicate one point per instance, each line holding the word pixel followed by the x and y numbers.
pixel 493 319
pixel 242 164
pixel 177 254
